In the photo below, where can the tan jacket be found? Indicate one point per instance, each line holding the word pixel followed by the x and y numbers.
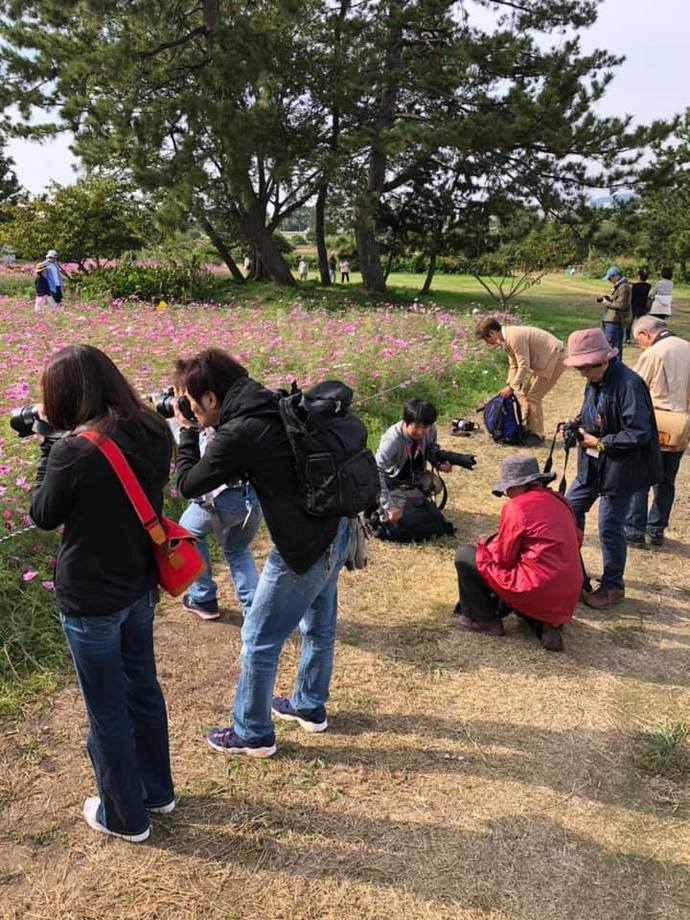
pixel 665 368
pixel 617 307
pixel 530 351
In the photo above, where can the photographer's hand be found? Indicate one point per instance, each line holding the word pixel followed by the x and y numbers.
pixel 588 440
pixel 445 467
pixel 393 514
pixel 506 391
pixel 181 420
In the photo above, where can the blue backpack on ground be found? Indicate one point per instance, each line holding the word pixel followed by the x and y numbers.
pixel 503 419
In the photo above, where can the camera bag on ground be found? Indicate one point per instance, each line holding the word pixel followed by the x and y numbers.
pixel 503 419
pixel 420 519
pixel 336 470
pixel 178 561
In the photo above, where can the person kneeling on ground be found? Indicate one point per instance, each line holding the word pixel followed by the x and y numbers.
pixel 532 565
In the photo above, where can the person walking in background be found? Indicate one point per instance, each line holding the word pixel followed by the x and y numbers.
pixel 661 295
pixel 639 305
pixel 618 452
pixel 106 580
pixel 53 275
pixel 344 271
pixel 332 266
pixel 44 299
pixel 664 365
pixel 531 566
pixel 303 269
pixel 617 310
pixel 535 364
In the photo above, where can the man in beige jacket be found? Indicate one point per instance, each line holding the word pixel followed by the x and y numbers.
pixel 664 365
pixel 535 362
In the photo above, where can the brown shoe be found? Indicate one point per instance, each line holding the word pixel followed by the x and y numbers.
pixel 552 638
pixel 604 597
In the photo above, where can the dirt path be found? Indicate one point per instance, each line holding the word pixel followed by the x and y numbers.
pixel 463 777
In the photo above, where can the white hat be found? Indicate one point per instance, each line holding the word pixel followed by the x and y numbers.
pixel 51 254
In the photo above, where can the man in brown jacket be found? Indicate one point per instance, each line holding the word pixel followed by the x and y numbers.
pixel 664 365
pixel 616 315
pixel 535 362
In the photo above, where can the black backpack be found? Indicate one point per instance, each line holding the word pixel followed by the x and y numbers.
pixel 503 419
pixel 336 471
pixel 420 520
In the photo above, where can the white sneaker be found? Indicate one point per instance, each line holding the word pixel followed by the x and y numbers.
pixel 163 809
pixel 90 811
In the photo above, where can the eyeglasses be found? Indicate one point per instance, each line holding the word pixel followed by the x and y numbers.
pixel 589 367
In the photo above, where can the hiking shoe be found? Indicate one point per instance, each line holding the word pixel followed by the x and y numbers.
pixel 492 627
pixel 311 720
pixel 227 741
pixel 604 597
pixel 207 610
pixel 552 638
pixel 90 812
pixel 637 541
pixel 656 539
pixel 162 809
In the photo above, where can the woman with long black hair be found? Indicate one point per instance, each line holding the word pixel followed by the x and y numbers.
pixel 106 580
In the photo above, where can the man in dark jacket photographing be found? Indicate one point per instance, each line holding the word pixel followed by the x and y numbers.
pixel 618 452
pixel 298 585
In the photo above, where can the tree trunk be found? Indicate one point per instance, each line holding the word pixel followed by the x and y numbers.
pixel 368 251
pixel 389 264
pixel 269 262
pixel 220 247
pixel 321 250
pixel 430 273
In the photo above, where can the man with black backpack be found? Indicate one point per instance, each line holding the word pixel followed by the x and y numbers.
pixel 307 494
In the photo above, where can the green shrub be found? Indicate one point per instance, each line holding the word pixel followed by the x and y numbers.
pixel 181 282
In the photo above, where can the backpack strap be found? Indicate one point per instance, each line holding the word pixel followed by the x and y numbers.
pixel 130 484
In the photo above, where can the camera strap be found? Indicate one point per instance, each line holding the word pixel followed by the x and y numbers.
pixel 562 485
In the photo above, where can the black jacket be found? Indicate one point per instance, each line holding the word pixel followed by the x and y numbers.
pixel 105 561
pixel 41 285
pixel 251 443
pixel 631 461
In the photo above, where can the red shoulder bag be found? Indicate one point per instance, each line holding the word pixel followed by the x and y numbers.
pixel 178 560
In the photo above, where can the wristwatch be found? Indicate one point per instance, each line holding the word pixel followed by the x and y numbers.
pixel 601 447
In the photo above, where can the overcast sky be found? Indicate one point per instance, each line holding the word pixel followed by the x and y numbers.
pixel 651 83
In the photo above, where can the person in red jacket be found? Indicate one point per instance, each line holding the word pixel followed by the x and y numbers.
pixel 531 566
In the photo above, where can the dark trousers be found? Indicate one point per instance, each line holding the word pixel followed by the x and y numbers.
pixel 128 724
pixel 656 520
pixel 476 599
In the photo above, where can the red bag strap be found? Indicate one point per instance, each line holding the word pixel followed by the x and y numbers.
pixel 130 484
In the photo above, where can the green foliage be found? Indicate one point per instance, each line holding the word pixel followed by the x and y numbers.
pixel 181 282
pixel 94 219
pixel 665 752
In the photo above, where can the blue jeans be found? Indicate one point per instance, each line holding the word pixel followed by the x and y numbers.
pixel 614 336
pixel 128 724
pixel 656 521
pixel 231 512
pixel 613 510
pixel 282 601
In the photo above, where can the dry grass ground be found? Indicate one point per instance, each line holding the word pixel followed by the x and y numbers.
pixel 462 776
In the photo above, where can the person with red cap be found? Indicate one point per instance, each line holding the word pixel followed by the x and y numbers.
pixel 618 452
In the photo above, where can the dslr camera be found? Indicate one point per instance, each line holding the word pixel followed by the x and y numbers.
pixel 436 456
pixel 463 425
pixel 163 403
pixel 26 421
pixel 571 433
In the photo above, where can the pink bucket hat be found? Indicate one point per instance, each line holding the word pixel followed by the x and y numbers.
pixel 588 346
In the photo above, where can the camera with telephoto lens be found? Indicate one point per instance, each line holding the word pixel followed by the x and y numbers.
pixel 464 425
pixel 436 456
pixel 571 433
pixel 164 404
pixel 26 421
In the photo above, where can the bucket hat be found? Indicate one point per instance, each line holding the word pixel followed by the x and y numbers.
pixel 520 471
pixel 588 346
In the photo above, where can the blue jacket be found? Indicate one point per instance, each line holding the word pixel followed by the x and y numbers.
pixel 631 461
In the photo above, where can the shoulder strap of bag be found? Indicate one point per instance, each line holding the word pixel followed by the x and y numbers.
pixel 130 484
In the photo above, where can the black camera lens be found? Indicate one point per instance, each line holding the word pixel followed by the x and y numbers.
pixel 23 419
pixel 164 404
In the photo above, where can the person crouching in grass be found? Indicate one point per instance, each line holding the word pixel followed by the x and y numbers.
pixel 531 566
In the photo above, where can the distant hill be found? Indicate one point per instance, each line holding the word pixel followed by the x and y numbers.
pixel 608 201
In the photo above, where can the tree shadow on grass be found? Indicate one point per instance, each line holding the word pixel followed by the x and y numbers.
pixel 522 865
pixel 435 641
